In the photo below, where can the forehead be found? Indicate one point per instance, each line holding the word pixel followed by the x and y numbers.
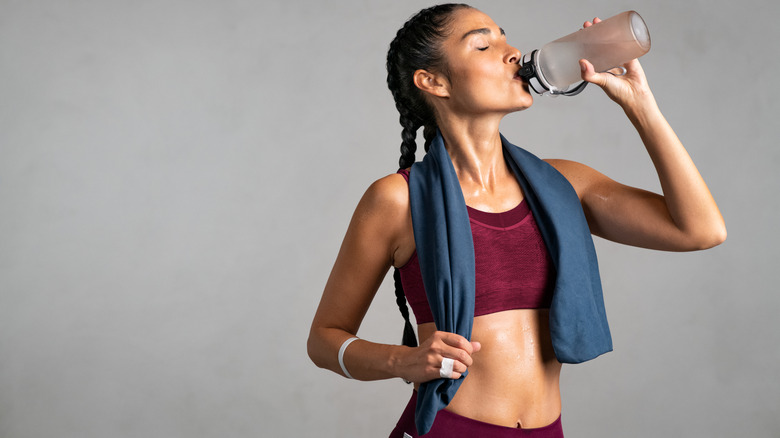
pixel 464 20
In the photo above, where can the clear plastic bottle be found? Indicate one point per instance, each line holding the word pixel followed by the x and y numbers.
pixel 606 45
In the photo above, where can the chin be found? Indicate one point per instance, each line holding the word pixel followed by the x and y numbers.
pixel 526 103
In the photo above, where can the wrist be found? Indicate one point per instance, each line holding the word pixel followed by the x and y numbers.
pixel 642 110
pixel 396 361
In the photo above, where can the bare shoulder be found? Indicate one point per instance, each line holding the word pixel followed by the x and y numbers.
pixel 387 195
pixel 384 217
pixel 579 175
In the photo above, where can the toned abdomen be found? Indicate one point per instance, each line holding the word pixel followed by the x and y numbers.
pixel 515 376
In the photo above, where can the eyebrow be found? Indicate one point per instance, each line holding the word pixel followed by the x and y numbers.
pixel 482 31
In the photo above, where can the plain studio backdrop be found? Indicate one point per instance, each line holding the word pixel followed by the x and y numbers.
pixel 176 178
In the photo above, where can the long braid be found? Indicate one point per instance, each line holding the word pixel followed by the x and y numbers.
pixel 409 339
pixel 429 133
pixel 417 45
pixel 408 140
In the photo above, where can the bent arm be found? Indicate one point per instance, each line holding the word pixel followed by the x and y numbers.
pixel 379 236
pixel 693 215
pixel 685 217
pixel 363 260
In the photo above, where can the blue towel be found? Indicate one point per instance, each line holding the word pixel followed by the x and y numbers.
pixel 445 249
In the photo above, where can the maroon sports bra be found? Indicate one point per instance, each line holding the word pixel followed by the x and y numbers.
pixel 513 268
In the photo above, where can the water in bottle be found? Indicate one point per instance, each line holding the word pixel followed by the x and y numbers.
pixel 607 44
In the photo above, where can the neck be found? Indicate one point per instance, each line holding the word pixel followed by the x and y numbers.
pixel 474 146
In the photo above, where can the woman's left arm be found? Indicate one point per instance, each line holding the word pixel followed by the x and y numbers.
pixel 685 218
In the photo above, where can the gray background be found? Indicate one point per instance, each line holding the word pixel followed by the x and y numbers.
pixel 176 177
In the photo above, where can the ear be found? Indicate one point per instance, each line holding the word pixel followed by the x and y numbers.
pixel 431 83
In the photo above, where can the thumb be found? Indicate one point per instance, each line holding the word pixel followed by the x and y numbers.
pixel 476 346
pixel 589 73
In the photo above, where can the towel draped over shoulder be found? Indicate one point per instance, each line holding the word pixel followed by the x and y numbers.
pixel 442 235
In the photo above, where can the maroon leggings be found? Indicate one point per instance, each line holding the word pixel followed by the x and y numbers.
pixel 451 425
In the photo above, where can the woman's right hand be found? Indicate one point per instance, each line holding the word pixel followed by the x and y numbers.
pixel 423 363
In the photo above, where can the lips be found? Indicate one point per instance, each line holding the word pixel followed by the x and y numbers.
pixel 525 84
pixel 517 73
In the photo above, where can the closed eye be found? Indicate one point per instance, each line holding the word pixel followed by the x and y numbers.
pixel 482 49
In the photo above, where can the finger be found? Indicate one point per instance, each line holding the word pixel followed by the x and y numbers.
pixel 633 66
pixel 458 341
pixel 454 376
pixel 456 347
pixel 475 346
pixel 459 355
pixel 589 73
pixel 596 20
pixel 458 368
pixel 587 24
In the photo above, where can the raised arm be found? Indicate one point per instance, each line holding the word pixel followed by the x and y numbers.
pixel 685 217
pixel 379 236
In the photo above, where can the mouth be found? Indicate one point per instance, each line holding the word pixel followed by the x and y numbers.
pixel 518 75
pixel 526 86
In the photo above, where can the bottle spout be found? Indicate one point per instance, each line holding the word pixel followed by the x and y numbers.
pixel 530 73
pixel 527 71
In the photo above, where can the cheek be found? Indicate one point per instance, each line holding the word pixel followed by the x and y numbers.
pixel 479 73
pixel 476 80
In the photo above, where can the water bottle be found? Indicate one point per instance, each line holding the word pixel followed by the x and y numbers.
pixel 608 44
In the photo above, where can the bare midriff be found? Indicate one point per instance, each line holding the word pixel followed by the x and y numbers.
pixel 514 379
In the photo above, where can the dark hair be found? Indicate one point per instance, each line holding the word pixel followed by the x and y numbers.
pixel 417 45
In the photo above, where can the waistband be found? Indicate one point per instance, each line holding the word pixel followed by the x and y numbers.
pixel 448 424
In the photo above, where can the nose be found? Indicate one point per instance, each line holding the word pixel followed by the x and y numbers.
pixel 512 55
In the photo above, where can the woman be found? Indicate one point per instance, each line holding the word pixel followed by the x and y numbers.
pixel 451 71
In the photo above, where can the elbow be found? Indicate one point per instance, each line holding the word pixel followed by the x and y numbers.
pixel 717 234
pixel 313 348
pixel 710 238
pixel 720 236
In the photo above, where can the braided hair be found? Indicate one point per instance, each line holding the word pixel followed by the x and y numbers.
pixel 417 45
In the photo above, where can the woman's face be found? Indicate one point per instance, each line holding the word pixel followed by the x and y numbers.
pixel 483 68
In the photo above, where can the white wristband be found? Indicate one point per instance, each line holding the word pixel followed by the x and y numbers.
pixel 341 356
